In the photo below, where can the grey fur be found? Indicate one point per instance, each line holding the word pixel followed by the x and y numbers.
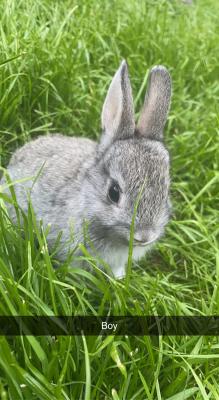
pixel 156 105
pixel 73 184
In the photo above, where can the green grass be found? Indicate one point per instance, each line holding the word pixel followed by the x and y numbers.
pixel 56 62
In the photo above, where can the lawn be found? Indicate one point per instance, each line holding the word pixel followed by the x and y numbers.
pixel 56 61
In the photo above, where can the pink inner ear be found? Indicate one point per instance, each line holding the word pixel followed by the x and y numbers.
pixel 118 109
pixel 112 107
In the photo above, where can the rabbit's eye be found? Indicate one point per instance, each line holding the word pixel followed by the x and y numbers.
pixel 114 192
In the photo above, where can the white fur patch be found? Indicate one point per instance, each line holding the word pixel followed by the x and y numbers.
pixel 117 258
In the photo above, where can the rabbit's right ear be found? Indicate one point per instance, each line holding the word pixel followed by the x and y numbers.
pixel 118 110
pixel 156 104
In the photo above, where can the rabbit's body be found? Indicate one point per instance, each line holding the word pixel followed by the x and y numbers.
pixel 60 162
pixel 78 185
pixel 55 165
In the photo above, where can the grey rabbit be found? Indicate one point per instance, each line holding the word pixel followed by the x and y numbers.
pixel 80 181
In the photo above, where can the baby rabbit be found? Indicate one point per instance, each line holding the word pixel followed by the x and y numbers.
pixel 80 182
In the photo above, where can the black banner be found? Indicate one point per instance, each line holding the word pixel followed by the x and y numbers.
pixel 113 325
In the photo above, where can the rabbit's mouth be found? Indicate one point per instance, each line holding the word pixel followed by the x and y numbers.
pixel 139 243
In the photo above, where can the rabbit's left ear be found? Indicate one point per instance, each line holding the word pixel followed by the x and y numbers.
pixel 156 104
pixel 118 109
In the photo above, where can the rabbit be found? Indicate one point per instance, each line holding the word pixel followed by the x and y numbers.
pixel 76 181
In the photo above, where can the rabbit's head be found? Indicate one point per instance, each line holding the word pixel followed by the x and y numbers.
pixel 130 159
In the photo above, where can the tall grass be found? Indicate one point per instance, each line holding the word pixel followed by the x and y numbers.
pixel 56 62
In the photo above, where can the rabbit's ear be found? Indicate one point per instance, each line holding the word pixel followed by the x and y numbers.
pixel 118 109
pixel 156 104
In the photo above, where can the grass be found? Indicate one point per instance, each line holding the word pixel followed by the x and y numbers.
pixel 56 61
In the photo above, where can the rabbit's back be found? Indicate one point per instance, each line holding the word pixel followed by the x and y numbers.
pixel 54 164
pixel 59 153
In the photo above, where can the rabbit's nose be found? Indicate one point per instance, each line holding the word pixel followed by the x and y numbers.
pixel 144 238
